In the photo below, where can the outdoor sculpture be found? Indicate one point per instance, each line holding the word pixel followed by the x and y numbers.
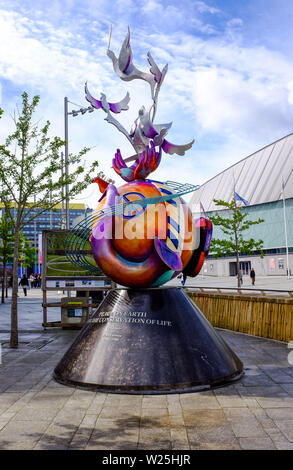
pixel 143 233
pixel 144 338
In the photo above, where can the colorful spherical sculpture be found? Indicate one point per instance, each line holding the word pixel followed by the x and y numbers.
pixel 146 246
pixel 137 248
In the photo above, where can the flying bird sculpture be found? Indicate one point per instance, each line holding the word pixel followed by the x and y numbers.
pixel 158 75
pixel 147 138
pixel 126 70
pixel 143 130
pixel 116 108
pixel 105 105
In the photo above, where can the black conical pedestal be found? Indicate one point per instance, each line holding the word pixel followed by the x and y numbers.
pixel 148 341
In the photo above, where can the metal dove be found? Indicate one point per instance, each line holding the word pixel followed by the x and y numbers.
pixel 126 70
pixel 143 130
pixel 105 105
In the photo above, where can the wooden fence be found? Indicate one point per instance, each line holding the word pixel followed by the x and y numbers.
pixel 259 316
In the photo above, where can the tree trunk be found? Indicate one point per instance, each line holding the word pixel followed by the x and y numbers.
pixel 14 317
pixel 5 278
pixel 2 290
pixel 237 260
pixel 4 281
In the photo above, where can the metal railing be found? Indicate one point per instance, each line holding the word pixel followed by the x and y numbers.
pixel 241 290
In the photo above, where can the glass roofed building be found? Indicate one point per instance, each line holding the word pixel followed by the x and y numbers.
pixel 259 179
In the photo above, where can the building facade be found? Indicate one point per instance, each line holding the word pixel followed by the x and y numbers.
pixel 265 180
pixel 52 219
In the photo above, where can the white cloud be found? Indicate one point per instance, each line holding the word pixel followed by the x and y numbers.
pixel 152 6
pixel 226 101
pixel 204 8
pixel 232 89
pixel 216 88
pixel 39 61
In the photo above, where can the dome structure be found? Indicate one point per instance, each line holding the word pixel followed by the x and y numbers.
pixel 258 177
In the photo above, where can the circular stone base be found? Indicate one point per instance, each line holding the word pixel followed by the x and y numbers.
pixel 148 341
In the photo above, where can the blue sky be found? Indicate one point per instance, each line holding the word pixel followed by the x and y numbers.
pixel 229 84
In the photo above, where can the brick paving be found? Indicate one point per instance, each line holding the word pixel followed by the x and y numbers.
pixel 38 413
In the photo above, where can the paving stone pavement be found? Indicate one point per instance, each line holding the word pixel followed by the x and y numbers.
pixel 38 413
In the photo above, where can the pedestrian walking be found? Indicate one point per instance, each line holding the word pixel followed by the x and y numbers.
pixel 31 281
pixel 252 276
pixel 182 278
pixel 24 284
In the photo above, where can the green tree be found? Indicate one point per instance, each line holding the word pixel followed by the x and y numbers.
pixel 31 180
pixel 6 249
pixel 233 226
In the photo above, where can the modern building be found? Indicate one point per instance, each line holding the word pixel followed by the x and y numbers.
pixel 52 219
pixel 259 179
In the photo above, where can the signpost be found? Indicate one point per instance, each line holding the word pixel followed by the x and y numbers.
pixel 59 274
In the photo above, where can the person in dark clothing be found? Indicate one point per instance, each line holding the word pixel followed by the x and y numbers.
pixel 24 284
pixel 252 276
pixel 182 278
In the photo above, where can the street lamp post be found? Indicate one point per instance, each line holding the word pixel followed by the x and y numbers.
pixel 62 225
pixel 66 161
pixel 35 238
pixel 51 213
pixel 74 113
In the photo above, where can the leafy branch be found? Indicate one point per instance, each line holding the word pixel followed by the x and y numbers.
pixel 32 178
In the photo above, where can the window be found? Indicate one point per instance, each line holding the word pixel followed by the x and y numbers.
pixel 281 263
